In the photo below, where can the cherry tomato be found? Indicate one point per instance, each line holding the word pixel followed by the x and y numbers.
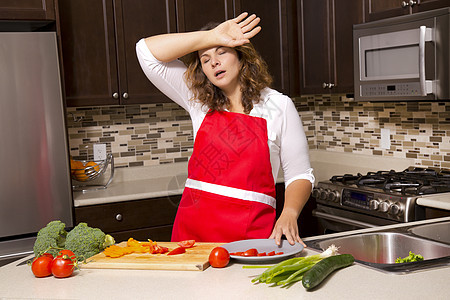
pixel 63 266
pixel 187 243
pixel 262 254
pixel 272 253
pixel 251 252
pixel 176 251
pixel 69 253
pixel 42 265
pixel 219 257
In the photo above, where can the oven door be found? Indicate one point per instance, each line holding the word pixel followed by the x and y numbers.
pixel 333 219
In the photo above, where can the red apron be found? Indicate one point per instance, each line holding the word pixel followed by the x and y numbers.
pixel 230 190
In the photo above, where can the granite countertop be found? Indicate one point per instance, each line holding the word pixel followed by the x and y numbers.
pixel 232 282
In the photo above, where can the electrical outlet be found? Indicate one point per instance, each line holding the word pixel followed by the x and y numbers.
pixel 99 151
pixel 385 142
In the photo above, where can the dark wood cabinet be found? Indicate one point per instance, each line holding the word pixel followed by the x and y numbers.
pixel 326 45
pixel 425 5
pixel 140 219
pixel 308 225
pixel 194 14
pixel 383 9
pixel 27 10
pixel 98 41
pixel 277 40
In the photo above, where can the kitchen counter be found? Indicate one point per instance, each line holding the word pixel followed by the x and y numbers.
pixel 439 201
pixel 232 282
pixel 168 179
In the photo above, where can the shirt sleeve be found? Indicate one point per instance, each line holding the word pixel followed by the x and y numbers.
pixel 294 150
pixel 168 77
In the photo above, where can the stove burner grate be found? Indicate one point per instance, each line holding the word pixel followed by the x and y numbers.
pixel 412 181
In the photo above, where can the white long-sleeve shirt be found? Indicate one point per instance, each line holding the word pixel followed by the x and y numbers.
pixel 286 138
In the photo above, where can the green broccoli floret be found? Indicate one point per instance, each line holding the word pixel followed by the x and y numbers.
pixel 53 235
pixel 411 258
pixel 86 241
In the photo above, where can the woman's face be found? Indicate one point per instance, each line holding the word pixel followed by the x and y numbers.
pixel 221 66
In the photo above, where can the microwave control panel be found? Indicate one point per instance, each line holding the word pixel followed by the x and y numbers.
pixel 395 89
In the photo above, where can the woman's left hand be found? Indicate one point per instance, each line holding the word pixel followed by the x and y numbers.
pixel 237 31
pixel 286 225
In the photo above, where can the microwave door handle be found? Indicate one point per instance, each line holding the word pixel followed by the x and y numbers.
pixel 424 36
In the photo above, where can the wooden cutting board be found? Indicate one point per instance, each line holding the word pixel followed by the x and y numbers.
pixel 195 259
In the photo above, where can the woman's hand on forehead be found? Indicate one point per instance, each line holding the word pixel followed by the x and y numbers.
pixel 238 31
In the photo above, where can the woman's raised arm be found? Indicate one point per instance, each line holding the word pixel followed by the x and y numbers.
pixel 231 33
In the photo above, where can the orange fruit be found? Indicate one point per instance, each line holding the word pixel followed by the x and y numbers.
pixel 93 166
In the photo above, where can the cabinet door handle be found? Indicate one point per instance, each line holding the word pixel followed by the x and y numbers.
pixel 125 95
pixel 327 85
pixel 115 95
pixel 409 3
pixel 119 217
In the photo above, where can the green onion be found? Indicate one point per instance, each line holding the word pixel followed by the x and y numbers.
pixel 291 270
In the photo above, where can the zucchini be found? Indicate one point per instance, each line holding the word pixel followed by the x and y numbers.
pixel 325 267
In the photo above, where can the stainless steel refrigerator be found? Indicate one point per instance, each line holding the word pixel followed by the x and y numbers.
pixel 35 185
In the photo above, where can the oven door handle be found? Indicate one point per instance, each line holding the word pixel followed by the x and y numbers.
pixel 347 221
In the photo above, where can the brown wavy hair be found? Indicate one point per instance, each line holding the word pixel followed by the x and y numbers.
pixel 253 77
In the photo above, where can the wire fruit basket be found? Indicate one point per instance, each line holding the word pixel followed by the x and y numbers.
pixel 85 171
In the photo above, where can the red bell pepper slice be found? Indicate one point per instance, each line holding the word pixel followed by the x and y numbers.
pixel 176 251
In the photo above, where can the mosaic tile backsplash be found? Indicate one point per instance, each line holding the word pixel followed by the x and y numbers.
pixel 145 135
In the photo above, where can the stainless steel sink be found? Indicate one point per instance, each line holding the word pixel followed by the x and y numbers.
pixel 380 249
pixel 437 232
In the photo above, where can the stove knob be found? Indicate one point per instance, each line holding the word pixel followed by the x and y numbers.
pixel 395 209
pixel 374 204
pixel 332 196
pixel 384 206
pixel 324 194
pixel 316 192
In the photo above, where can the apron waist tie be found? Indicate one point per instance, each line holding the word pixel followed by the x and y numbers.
pixel 231 192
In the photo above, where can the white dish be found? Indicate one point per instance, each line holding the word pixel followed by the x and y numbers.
pixel 263 245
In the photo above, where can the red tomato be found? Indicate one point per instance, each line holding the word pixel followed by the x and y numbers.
pixel 237 253
pixel 63 266
pixel 178 250
pixel 69 253
pixel 279 253
pixel 272 253
pixel 42 265
pixel 47 254
pixel 187 243
pixel 251 252
pixel 219 257
pixel 262 254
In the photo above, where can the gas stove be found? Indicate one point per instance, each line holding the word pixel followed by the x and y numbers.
pixel 390 195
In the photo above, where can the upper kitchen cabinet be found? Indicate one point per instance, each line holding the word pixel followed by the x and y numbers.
pixel 326 45
pixel 276 41
pixel 382 9
pixel 98 41
pixel 194 14
pixel 27 10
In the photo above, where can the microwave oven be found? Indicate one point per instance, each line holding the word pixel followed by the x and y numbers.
pixel 403 58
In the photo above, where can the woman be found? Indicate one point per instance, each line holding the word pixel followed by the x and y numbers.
pixel 243 132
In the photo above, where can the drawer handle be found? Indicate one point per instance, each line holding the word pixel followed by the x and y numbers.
pixel 119 217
